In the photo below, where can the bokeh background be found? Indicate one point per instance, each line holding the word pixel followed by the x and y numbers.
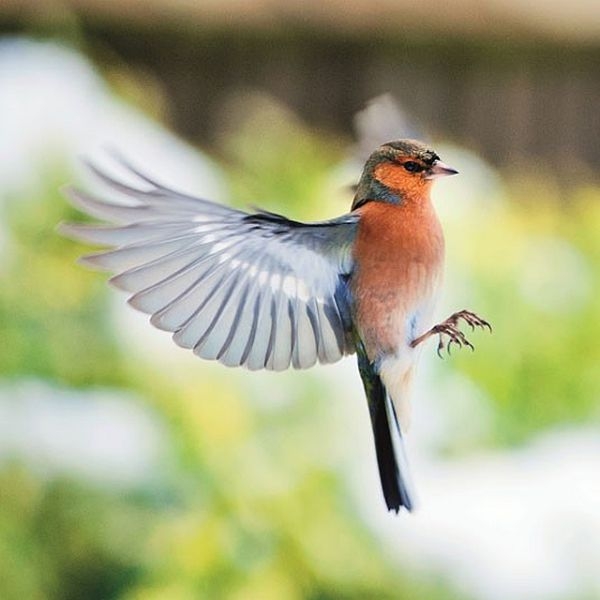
pixel 131 470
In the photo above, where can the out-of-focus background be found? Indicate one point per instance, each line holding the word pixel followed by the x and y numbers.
pixel 131 470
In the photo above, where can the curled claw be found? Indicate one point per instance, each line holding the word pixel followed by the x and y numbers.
pixel 440 347
pixel 472 320
pixel 453 341
pixel 449 328
pixel 468 344
pixel 455 337
pixel 462 340
pixel 486 324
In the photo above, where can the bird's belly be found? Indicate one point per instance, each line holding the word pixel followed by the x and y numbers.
pixel 399 260
pixel 397 364
pixel 398 309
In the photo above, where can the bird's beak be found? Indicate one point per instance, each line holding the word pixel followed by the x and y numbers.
pixel 439 169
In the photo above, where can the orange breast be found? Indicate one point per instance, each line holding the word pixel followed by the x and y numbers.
pixel 399 253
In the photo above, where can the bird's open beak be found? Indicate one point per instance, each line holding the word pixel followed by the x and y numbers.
pixel 440 169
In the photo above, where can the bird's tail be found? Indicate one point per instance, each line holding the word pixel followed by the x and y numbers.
pixel 389 445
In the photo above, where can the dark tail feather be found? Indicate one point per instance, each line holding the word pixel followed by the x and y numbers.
pixel 391 456
pixel 403 484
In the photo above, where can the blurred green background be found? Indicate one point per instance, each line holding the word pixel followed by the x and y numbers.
pixel 131 470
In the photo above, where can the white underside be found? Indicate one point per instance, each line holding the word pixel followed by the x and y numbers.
pixel 397 374
pixel 397 370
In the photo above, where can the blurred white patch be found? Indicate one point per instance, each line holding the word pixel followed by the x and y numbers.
pixel 54 104
pixel 555 276
pixel 383 120
pixel 471 196
pixel 454 404
pixel 521 524
pixel 105 436
pixel 140 339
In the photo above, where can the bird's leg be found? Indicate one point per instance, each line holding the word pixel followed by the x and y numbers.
pixel 449 328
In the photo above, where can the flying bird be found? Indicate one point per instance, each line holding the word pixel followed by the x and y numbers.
pixel 263 291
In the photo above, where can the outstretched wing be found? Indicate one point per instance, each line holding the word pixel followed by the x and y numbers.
pixel 246 289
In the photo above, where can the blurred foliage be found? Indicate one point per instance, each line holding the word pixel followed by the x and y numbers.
pixel 276 162
pixel 532 267
pixel 248 511
pixel 47 315
pixel 61 540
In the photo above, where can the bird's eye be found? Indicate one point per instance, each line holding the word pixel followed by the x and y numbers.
pixel 412 167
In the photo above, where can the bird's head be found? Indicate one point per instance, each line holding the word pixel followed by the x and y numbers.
pixel 399 171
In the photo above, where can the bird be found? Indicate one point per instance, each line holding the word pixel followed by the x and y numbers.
pixel 260 290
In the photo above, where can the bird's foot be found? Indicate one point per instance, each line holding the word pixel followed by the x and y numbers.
pixel 449 333
pixel 470 318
